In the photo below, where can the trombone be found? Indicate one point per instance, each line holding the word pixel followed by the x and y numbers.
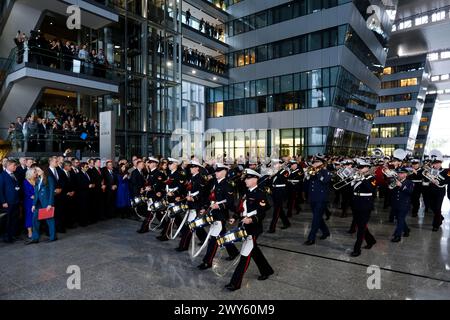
pixel 347 176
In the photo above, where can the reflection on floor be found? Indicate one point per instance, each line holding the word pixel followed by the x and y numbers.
pixel 117 263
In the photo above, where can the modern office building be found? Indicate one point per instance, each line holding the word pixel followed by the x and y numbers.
pixel 399 111
pixel 304 78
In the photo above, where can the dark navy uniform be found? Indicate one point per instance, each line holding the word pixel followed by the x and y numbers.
pixel 401 204
pixel 295 189
pixel 318 193
pixel 425 190
pixel 197 190
pixel 176 185
pixel 362 206
pixel 437 194
pixel 256 204
pixel 9 194
pixel 221 194
pixel 416 179
pixel 279 191
pixel 155 179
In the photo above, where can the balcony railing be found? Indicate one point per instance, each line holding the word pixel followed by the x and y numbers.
pixel 41 58
pixel 51 142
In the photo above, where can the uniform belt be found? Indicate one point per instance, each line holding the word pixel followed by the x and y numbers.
pixel 249 214
pixel 416 181
pixel 425 184
pixel 294 181
pixel 172 190
pixel 363 194
pixel 279 185
pixel 194 194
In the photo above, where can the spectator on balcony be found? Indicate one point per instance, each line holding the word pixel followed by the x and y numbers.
pixel 103 62
pixel 19 135
pixel 20 40
pixel 67 53
pixel 32 134
pixel 83 55
pixel 201 24
pixel 55 51
pixel 188 16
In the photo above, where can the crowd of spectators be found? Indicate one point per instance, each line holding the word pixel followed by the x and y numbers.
pixel 64 129
pixel 60 54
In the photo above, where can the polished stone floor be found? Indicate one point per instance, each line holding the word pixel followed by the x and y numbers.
pixel 117 263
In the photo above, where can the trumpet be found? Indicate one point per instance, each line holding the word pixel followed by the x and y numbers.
pixel 312 171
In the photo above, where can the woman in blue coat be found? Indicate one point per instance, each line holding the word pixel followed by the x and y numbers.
pixel 123 192
pixel 28 190
pixel 43 198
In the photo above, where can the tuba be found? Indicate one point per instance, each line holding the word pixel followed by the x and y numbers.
pixel 378 153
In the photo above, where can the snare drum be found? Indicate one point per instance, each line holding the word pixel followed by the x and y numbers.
pixel 177 209
pixel 232 236
pixel 201 222
pixel 158 206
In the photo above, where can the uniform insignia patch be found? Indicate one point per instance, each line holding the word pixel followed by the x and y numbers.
pixel 374 183
pixel 262 203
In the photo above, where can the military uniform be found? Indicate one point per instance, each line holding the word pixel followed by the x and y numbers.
pixel 437 194
pixel 256 205
pixel 176 185
pixel 401 204
pixel 416 179
pixel 295 189
pixel 362 206
pixel 197 190
pixel 221 194
pixel 425 190
pixel 156 180
pixel 318 193
pixel 279 187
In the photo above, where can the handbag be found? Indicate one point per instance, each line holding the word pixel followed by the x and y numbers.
pixel 45 213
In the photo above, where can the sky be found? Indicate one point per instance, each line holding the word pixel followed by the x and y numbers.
pixel 439 135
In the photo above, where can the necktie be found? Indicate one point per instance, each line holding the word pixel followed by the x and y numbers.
pixel 13 176
pixel 55 173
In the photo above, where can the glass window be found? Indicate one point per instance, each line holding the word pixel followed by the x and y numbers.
pixel 261 53
pixel 261 20
pixel 287 83
pixel 315 41
pixel 238 90
pixel 316 136
pixel 261 87
pixel 286 48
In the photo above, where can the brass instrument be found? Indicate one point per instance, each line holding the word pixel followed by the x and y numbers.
pixel 346 175
pixel 433 175
pixel 312 171
pixel 378 153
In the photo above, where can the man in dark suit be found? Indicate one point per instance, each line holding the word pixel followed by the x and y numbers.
pixel 110 188
pixel 55 173
pixel 97 179
pixel 137 180
pixel 68 184
pixel 85 194
pixel 9 199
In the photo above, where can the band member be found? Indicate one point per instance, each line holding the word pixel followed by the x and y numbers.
pixel 279 188
pixel 175 190
pixel 196 200
pixel 295 188
pixel 401 203
pixel 425 190
pixel 437 188
pixel 416 178
pixel 252 216
pixel 347 191
pixel 318 179
pixel 362 205
pixel 397 158
pixel 222 201
pixel 156 188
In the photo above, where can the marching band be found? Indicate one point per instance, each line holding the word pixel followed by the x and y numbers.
pixel 223 204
